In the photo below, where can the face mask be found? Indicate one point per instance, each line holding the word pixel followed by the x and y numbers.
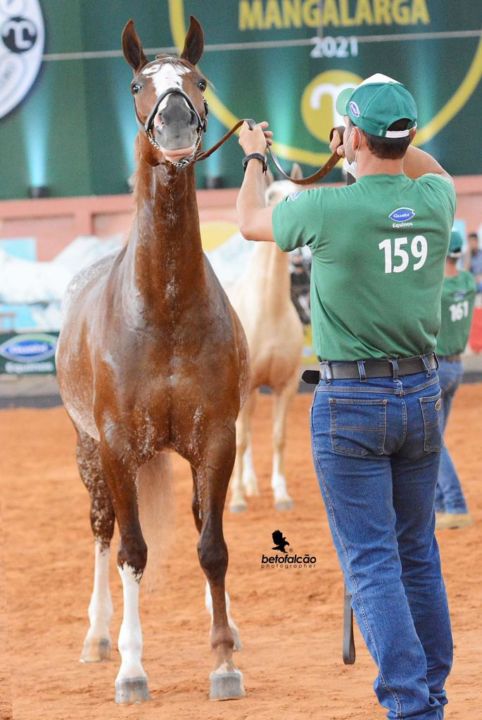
pixel 350 167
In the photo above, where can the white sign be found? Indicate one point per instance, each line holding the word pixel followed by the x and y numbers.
pixel 22 38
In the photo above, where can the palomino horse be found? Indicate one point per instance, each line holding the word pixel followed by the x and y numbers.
pixel 274 331
pixel 152 357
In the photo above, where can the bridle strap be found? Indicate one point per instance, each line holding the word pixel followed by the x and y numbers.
pixel 206 153
pixel 327 167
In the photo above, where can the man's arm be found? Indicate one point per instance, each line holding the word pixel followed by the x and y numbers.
pixel 254 217
pixel 418 162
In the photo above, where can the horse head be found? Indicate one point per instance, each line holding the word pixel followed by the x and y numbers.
pixel 168 97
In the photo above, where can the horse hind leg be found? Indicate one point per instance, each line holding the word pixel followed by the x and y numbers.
pixel 211 481
pixel 97 644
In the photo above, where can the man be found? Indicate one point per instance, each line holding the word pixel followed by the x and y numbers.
pixel 458 295
pixel 474 259
pixel 378 249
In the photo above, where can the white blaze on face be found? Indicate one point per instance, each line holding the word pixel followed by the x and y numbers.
pixel 165 76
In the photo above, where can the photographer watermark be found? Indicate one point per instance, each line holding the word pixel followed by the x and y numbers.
pixel 286 558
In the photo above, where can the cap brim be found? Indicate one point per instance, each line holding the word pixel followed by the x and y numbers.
pixel 342 100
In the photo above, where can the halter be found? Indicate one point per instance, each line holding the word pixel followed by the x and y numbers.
pixel 147 126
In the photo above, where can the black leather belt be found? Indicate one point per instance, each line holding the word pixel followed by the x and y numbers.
pixel 450 358
pixel 371 368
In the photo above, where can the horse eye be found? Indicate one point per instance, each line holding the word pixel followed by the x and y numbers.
pixel 202 84
pixel 135 87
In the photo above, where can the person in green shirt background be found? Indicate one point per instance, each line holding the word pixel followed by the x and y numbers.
pixel 378 255
pixel 458 296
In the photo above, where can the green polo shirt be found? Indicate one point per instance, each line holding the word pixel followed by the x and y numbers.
pixel 458 296
pixel 378 254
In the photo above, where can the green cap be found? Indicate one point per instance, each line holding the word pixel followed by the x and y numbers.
pixel 377 103
pixel 455 244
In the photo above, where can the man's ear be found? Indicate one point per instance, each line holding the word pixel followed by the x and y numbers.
pixel 413 132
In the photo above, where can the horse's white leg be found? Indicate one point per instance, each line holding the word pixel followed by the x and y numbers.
pixel 97 643
pixel 250 481
pixel 238 501
pixel 234 628
pixel 131 680
pixel 282 500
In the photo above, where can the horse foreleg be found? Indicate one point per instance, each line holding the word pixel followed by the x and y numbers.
pixel 131 681
pixel 212 481
pixel 208 601
pixel 282 500
pixel 97 644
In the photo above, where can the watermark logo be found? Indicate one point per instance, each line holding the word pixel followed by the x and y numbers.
pixel 22 37
pixel 285 558
pixel 281 542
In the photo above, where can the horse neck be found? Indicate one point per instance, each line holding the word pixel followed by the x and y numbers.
pixel 164 251
pixel 270 272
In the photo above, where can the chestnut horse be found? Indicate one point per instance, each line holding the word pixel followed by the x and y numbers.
pixel 152 357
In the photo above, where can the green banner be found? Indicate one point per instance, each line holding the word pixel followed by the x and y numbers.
pixel 280 60
pixel 28 353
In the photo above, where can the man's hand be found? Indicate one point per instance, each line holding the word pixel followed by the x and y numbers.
pixel 336 143
pixel 256 140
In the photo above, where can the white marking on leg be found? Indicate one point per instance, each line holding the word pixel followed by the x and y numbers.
pixel 208 601
pixel 130 636
pixel 100 609
pixel 278 479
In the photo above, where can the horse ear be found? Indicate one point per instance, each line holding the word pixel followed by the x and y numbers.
pixel 194 42
pixel 296 172
pixel 132 47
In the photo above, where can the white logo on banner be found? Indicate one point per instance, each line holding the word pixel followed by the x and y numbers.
pixel 21 46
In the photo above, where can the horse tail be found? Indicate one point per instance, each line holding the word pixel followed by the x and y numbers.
pixel 155 498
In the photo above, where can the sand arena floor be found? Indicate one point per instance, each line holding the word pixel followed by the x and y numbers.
pixel 290 620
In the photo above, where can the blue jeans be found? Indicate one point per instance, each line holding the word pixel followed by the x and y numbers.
pixel 449 496
pixel 376 450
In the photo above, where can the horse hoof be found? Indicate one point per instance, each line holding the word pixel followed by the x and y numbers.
pixel 96 650
pixel 133 690
pixel 226 685
pixel 283 505
pixel 238 507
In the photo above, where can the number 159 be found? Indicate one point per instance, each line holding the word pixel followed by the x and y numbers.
pixel 417 251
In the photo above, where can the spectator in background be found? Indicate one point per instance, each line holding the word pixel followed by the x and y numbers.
pixel 474 259
pixel 458 295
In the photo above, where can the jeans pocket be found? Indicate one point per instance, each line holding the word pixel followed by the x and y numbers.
pixel 432 435
pixel 358 426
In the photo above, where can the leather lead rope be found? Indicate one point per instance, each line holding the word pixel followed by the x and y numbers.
pixel 327 167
